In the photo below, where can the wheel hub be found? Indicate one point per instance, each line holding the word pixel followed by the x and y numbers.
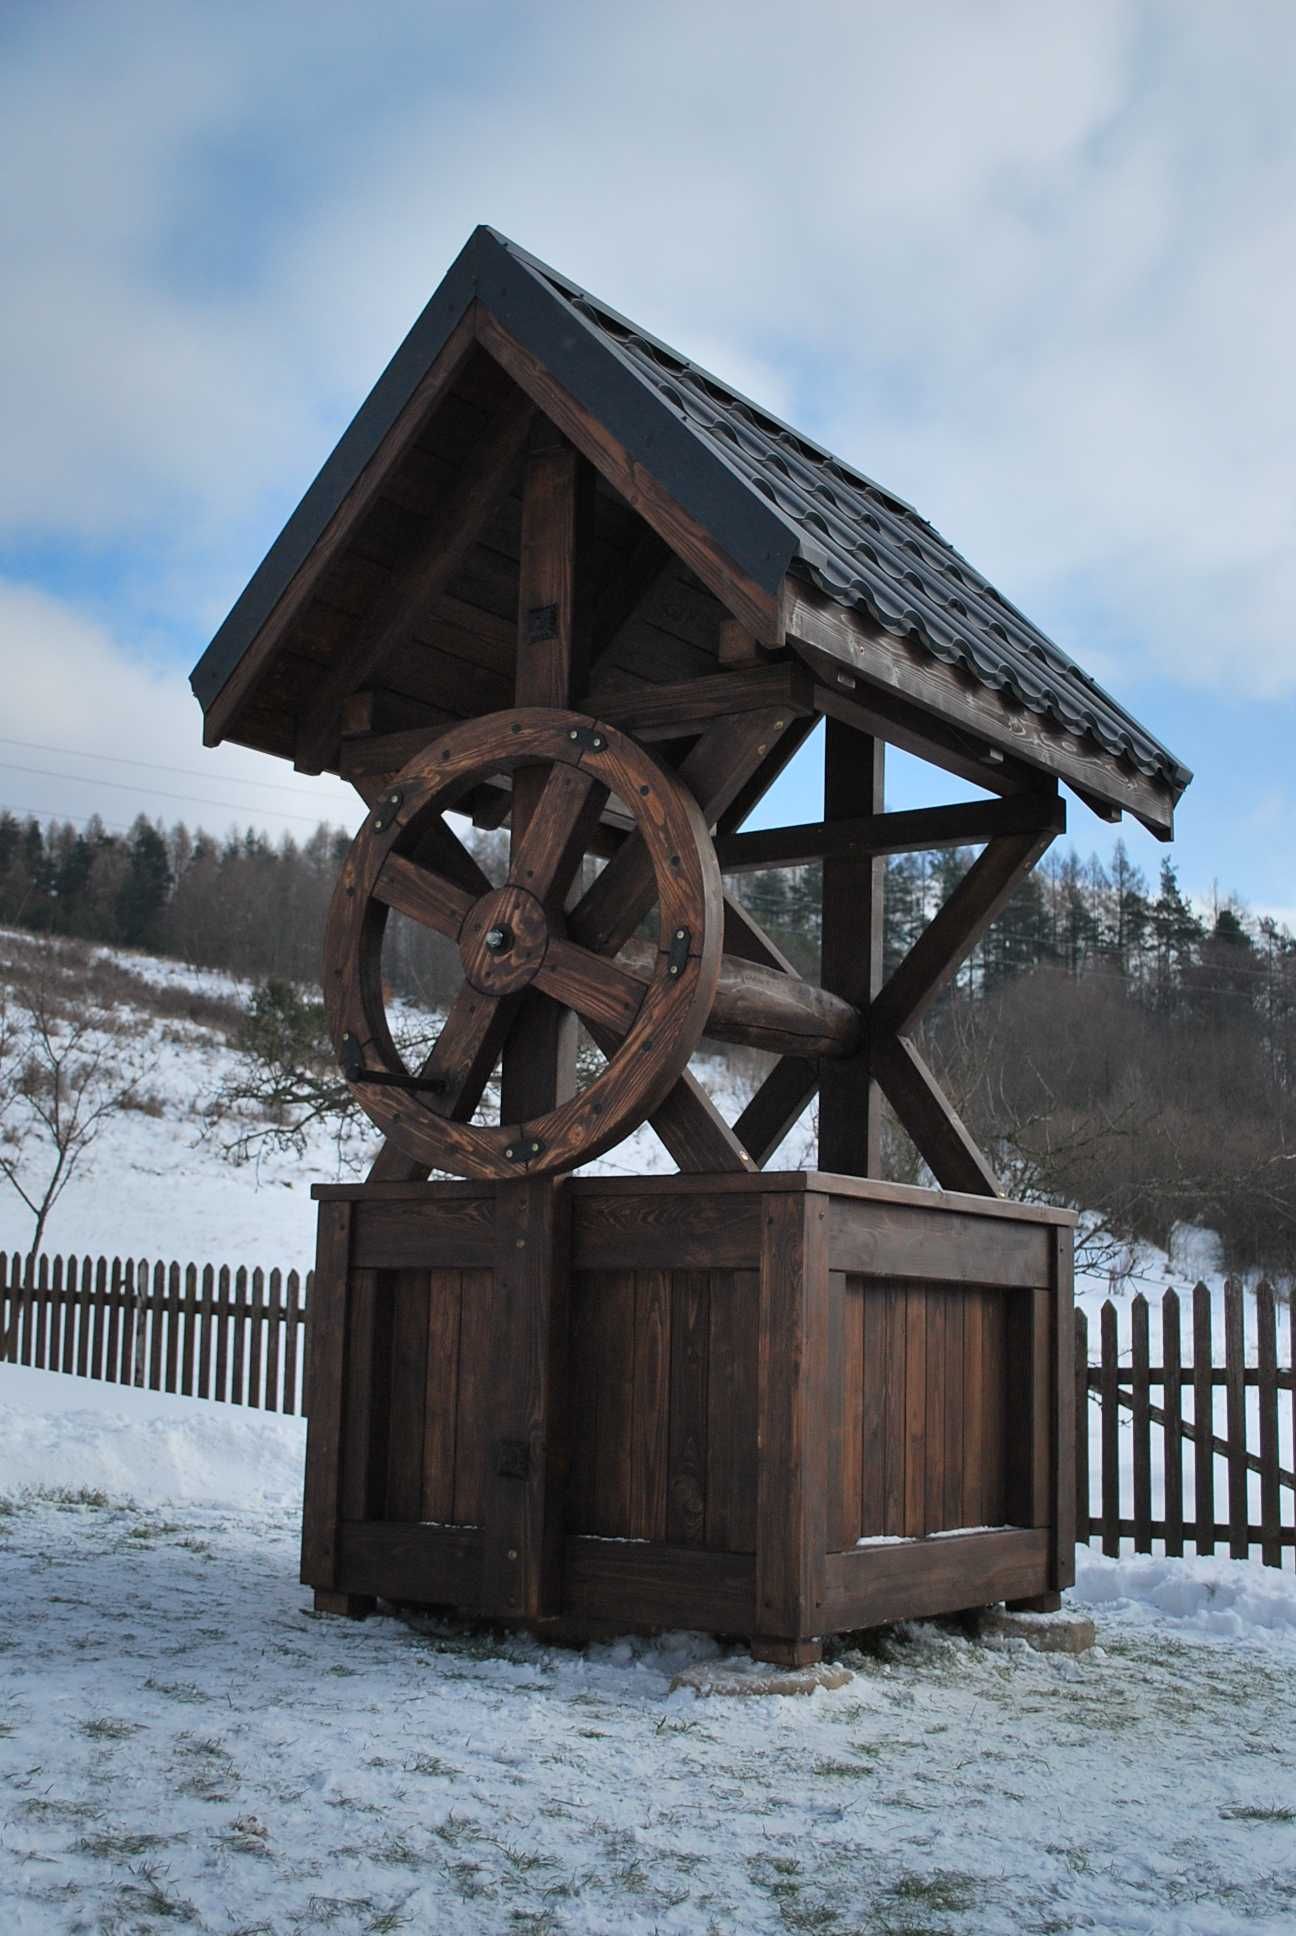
pixel 504 941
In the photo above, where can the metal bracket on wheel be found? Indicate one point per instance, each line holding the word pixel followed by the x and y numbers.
pixel 353 1068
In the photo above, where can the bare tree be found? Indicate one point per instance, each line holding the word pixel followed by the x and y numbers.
pixel 69 1063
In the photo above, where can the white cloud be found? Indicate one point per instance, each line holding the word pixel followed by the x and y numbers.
pixel 1032 266
pixel 74 695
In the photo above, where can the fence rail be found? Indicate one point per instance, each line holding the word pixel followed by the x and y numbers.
pixel 1146 1459
pixel 1200 1466
pixel 198 1330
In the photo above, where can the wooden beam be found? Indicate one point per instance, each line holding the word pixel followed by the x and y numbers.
pixel 780 755
pixel 915 831
pixel 764 1008
pixel 745 938
pixel 539 1065
pixel 776 1107
pixel 675 711
pixel 760 610
pixel 845 696
pixel 736 646
pixel 850 1108
pixel 626 588
pixel 938 1132
pixel 477 491
pixel 413 419
pixel 886 663
pixel 792 1403
pixel 945 944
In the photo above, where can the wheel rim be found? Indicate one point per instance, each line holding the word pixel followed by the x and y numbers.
pixel 514 938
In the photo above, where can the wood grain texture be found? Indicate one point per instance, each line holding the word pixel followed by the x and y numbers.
pixel 850 1106
pixel 792 1384
pixel 328 1365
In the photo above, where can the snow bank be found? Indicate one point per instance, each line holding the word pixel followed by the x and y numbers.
pixel 59 1433
pixel 1230 1598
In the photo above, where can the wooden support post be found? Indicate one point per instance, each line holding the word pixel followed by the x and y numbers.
pixel 792 1385
pixel 327 1335
pixel 526 1460
pixel 539 1063
pixel 1063 1412
pixel 850 1106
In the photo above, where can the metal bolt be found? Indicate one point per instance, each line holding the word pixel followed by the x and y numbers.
pixel 572 735
pixel 497 940
pixel 535 1149
pixel 679 934
pixel 512 1552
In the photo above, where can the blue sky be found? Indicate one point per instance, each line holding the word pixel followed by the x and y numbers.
pixel 1031 267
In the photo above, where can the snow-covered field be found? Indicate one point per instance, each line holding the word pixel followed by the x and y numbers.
pixel 184 1744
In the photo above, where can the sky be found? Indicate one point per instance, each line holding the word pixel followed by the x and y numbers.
pixel 1031 267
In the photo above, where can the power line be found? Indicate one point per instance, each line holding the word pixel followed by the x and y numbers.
pixel 151 766
pixel 158 793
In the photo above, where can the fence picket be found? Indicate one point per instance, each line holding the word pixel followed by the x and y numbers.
pixel 204 1331
pixel 293 1301
pixel 274 1325
pixel 222 1333
pixel 1171 1362
pixel 1110 1435
pixel 1267 1363
pixel 257 1303
pixel 1082 1423
pixel 1235 1402
pixel 1203 1421
pixel 1142 1395
pixel 189 1337
pixel 238 1391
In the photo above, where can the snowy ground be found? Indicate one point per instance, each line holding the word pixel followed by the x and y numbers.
pixel 184 1744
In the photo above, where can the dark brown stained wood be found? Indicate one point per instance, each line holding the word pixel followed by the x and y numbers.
pixel 792 1391
pixel 690 1346
pixel 116 1318
pixel 973 1493
pixel 157 1319
pixel 190 1331
pixel 1110 1436
pixel 428 1565
pixel 658 1586
pixel 255 1328
pixel 876 1584
pixel 367 1401
pixel 935 1358
pixel 407 1292
pixel 1235 1414
pixel 582 1401
pixel 878 715
pixel 759 1007
pixel 694 1132
pixel 675 711
pixel 953 1246
pixel 275 1325
pixel 238 1354
pixel 221 1390
pixel 920 830
pixel 915 1412
pixel 996 1335
pixel 296 1321
pixel 869 1362
pixel 522 1515
pixel 658 1230
pixel 1172 1364
pixel 954 1305
pixel 1031 1364
pixel 475 1384
pixel 1203 1422
pixel 846 1322
pixel 98 1368
pixel 925 681
pixel 1142 1433
pixel 391 619
pixel 747 601
pixel 731 1412
pixel 1267 1367
pixel 441 1395
pixel 889 1390
pixel 744 937
pixel 1065 1425
pixel 850 1120
pixel 1081 1403
pixel 735 645
pixel 612 1318
pixel 945 944
pixel 434 386
pixel 779 757
pixel 328 1329
pixel 624 588
pixel 442 1231
pixel 938 1131
pixel 777 1107
pixel 650 1450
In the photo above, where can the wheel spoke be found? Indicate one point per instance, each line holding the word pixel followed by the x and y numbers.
pixel 428 898
pixel 547 855
pixel 466 1051
pixel 600 991
pixel 442 850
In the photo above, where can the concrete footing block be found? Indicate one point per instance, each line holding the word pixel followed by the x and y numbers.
pixel 1048 1633
pixel 744 1677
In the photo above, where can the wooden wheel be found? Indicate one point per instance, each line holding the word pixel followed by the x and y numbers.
pixel 512 938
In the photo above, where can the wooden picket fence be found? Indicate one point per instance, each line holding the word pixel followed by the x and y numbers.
pixel 201 1331
pixel 239 1335
pixel 1255 1397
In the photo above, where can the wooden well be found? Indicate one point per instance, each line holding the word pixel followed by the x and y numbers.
pixel 744 1405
